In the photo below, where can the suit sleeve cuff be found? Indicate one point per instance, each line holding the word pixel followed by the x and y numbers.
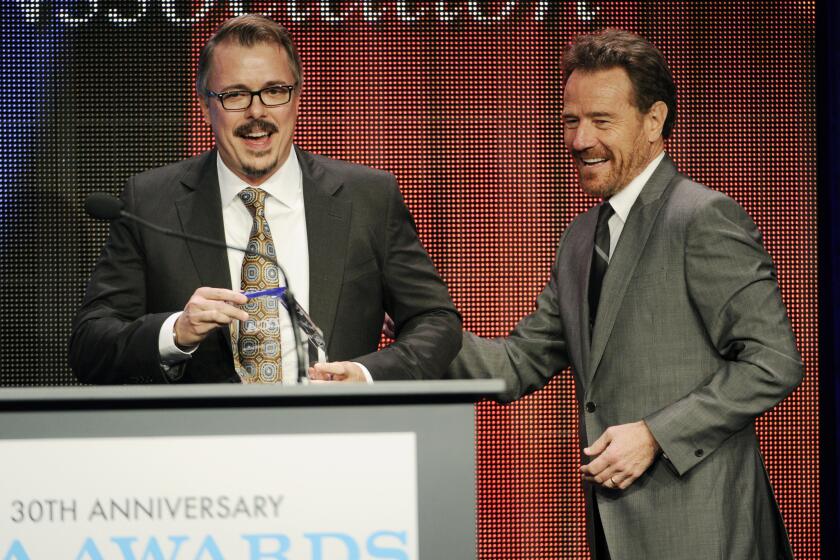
pixel 680 453
pixel 170 354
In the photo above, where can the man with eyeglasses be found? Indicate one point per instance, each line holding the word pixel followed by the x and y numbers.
pixel 158 310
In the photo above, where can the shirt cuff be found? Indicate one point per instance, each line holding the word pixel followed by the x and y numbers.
pixel 368 376
pixel 170 354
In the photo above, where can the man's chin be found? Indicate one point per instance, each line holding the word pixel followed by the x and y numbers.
pixel 255 171
pixel 597 188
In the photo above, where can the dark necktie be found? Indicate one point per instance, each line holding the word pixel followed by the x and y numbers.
pixel 600 260
pixel 258 341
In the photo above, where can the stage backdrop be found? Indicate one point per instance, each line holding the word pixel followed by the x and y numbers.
pixel 460 99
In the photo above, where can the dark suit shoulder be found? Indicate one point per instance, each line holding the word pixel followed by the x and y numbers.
pixel 152 193
pixel 349 174
pixel 172 173
pixel 349 168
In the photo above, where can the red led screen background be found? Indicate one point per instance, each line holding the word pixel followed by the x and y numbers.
pixel 461 100
pixel 466 115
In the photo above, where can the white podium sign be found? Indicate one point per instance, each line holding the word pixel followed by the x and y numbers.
pixel 253 497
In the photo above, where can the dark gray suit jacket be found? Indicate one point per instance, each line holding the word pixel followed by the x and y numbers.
pixel 691 336
pixel 365 259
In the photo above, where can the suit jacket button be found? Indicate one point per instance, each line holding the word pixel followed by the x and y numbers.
pixel 590 406
pixel 698 453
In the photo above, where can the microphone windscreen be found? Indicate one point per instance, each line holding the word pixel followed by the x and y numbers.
pixel 103 206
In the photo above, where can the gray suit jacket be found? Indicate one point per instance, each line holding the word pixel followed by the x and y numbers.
pixel 364 259
pixel 691 336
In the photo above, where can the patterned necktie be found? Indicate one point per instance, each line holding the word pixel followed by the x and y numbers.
pixel 600 260
pixel 258 339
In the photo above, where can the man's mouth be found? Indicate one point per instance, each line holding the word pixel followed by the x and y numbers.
pixel 256 134
pixel 590 162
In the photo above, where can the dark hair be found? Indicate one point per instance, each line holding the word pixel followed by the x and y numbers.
pixel 644 64
pixel 247 30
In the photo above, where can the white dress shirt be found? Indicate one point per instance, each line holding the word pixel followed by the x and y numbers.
pixel 623 201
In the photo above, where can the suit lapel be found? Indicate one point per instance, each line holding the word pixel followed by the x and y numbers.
pixel 581 262
pixel 200 213
pixel 623 263
pixel 327 232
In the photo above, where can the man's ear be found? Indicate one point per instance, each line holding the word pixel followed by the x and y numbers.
pixel 655 120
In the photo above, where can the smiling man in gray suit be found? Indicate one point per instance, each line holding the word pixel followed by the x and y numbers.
pixel 160 311
pixel 666 305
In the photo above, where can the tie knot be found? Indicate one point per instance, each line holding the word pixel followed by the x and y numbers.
pixel 254 200
pixel 605 212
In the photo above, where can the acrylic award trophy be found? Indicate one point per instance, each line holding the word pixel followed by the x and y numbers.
pixel 269 339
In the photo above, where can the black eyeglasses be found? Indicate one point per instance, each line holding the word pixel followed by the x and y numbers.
pixel 239 100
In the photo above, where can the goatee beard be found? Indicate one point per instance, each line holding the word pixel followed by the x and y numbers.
pixel 259 172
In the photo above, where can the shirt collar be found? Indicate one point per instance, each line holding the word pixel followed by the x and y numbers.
pixel 623 201
pixel 284 184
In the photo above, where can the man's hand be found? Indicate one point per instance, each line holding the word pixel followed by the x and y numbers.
pixel 337 371
pixel 207 309
pixel 621 455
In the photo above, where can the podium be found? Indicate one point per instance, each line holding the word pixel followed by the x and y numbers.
pixel 320 472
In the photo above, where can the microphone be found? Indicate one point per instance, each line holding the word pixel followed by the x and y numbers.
pixel 103 206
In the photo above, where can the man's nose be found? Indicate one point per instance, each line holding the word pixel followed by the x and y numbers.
pixel 257 109
pixel 583 137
